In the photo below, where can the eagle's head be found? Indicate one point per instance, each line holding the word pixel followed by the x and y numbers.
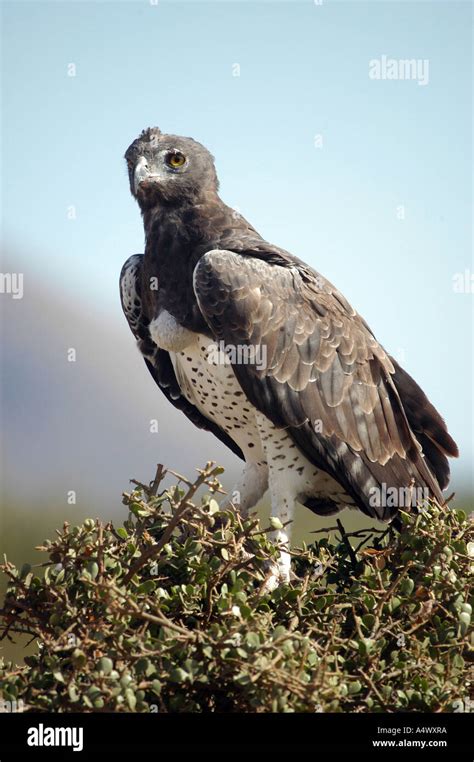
pixel 168 169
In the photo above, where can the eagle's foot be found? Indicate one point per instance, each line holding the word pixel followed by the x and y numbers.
pixel 279 573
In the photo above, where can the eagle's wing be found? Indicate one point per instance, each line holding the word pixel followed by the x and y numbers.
pixel 158 360
pixel 324 376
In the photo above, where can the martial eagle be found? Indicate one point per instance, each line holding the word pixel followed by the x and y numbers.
pixel 255 346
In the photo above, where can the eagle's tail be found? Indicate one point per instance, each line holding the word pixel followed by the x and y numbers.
pixel 426 424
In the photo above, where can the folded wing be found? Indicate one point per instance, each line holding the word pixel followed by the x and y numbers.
pixel 157 360
pixel 322 375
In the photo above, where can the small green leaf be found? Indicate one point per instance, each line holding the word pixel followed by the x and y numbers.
pixel 105 665
pixel 366 645
pixel 130 698
pixel 275 523
pixel 156 687
pixel 394 603
pixel 93 569
pixel 320 603
pixel 73 693
pixel 147 587
pixel 25 569
pixel 407 586
pixel 178 675
pixel 79 658
pixel 464 622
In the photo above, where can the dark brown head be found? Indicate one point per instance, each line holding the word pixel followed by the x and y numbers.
pixel 169 170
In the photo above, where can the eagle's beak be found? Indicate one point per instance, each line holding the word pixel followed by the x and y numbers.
pixel 142 172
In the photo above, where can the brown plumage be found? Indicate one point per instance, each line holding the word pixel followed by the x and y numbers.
pixel 324 365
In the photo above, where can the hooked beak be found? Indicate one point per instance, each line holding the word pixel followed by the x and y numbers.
pixel 141 173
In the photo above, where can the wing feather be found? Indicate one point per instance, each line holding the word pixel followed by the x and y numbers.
pixel 323 364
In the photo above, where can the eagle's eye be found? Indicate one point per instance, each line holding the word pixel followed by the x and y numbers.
pixel 175 159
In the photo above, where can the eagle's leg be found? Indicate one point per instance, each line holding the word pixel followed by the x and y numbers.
pixel 282 509
pixel 251 486
pixel 281 454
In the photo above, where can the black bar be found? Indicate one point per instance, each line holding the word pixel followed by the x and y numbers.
pixel 106 734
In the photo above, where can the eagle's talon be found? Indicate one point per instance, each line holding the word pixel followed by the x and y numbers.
pixel 278 574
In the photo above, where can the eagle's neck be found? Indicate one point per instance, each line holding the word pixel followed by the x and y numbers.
pixel 176 237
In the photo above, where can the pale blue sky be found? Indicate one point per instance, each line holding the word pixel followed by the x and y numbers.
pixel 303 71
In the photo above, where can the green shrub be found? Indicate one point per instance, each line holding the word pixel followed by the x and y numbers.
pixel 169 613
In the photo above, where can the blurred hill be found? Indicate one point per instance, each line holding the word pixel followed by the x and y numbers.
pixel 83 425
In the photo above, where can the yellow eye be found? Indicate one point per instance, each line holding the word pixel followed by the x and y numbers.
pixel 175 159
